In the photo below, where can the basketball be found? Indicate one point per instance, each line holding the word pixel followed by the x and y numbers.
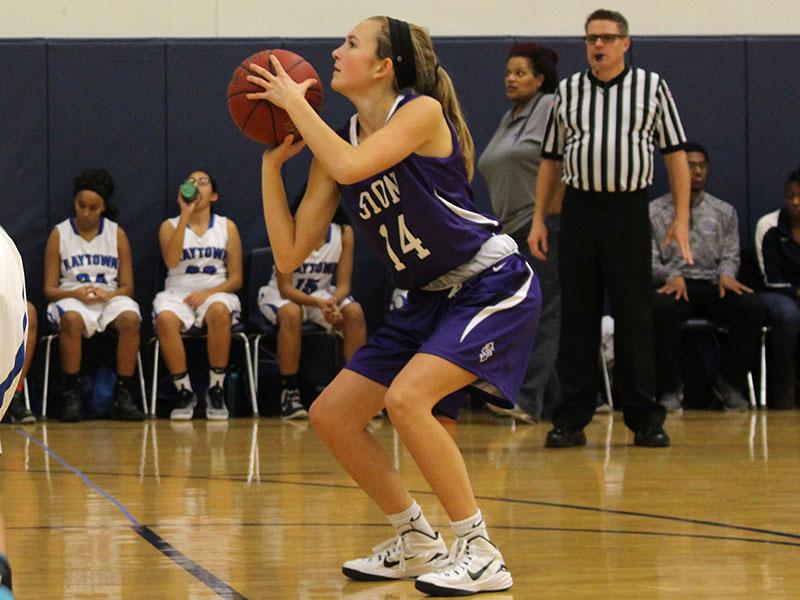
pixel 260 119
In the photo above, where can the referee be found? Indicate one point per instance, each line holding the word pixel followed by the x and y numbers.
pixel 599 141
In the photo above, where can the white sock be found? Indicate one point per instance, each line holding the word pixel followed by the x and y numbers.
pixel 411 518
pixel 469 525
pixel 183 383
pixel 216 377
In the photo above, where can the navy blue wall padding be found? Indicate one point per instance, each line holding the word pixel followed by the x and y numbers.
pixel 773 121
pixel 153 110
pixel 23 153
pixel 571 53
pixel 707 78
pixel 258 274
pixel 476 68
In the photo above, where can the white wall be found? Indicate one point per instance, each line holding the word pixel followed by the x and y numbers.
pixel 333 18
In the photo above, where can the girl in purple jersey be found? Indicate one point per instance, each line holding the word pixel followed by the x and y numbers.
pixel 402 168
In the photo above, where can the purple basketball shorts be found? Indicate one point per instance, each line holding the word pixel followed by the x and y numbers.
pixel 487 327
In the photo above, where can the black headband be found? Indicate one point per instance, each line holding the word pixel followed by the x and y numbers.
pixel 405 68
pixel 101 189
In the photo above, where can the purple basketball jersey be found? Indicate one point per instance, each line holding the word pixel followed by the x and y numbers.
pixel 419 215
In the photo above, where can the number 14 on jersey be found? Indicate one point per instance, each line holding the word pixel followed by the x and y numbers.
pixel 408 242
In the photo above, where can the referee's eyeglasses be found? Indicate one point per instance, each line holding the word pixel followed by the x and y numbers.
pixel 702 165
pixel 606 38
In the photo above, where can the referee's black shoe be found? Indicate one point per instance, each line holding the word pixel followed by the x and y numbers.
pixel 564 438
pixel 652 436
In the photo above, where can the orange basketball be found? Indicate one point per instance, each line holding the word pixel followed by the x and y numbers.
pixel 260 119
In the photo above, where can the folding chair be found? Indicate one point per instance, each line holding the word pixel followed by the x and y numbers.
pixel 700 325
pixel 697 324
pixel 48 346
pixel 606 379
pixel 762 373
pixel 237 332
pixel 604 363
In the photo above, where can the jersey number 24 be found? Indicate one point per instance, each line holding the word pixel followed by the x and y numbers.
pixel 86 278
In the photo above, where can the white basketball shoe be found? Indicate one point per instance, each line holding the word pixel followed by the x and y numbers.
pixel 216 410
pixel 291 405
pixel 474 565
pixel 406 555
pixel 184 405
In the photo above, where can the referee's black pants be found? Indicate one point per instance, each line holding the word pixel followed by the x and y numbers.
pixel 605 245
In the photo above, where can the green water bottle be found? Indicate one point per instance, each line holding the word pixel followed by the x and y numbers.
pixel 188 191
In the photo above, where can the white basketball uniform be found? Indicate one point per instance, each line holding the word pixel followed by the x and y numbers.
pixel 203 265
pixel 90 262
pixel 314 277
pixel 13 320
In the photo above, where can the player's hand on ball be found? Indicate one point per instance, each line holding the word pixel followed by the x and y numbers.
pixel 279 88
pixel 283 151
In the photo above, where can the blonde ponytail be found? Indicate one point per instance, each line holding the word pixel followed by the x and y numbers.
pixel 432 80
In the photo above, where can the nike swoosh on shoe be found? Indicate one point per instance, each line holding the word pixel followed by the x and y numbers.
pixel 436 556
pixel 475 576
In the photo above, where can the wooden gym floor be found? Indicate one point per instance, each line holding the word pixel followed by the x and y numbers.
pixel 258 509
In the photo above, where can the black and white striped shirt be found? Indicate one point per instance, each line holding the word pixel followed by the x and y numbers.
pixel 604 131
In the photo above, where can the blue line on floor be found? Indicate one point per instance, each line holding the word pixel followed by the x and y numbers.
pixel 221 588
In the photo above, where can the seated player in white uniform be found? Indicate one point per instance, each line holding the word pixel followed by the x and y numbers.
pixel 203 252
pixel 88 279
pixel 13 326
pixel 309 294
